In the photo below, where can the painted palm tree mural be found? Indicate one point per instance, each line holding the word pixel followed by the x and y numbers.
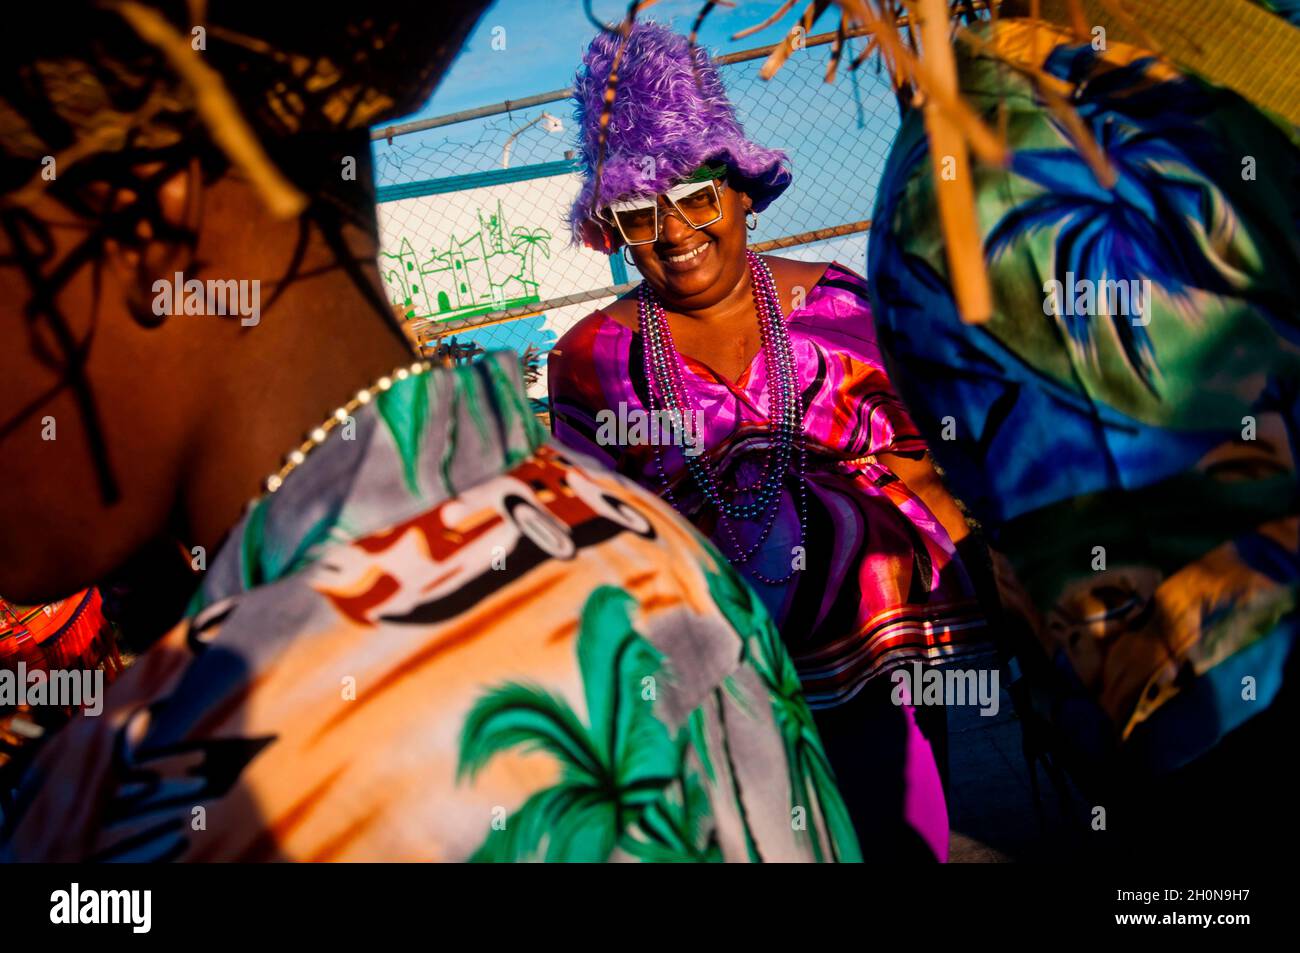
pixel 533 240
pixel 490 270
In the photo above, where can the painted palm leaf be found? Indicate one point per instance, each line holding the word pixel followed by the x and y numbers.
pixel 624 779
pixel 812 782
pixel 404 408
pixel 576 824
pixel 672 828
pixel 615 661
pixel 520 716
pixel 1163 220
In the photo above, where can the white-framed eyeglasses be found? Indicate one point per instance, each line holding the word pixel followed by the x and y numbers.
pixel 698 204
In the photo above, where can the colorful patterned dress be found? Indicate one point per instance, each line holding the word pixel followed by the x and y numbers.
pixel 881 585
pixel 70 635
pixel 444 639
pixel 1131 457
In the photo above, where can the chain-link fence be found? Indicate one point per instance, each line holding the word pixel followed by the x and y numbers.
pixel 476 247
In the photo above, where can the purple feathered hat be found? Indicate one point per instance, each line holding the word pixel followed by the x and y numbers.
pixel 669 118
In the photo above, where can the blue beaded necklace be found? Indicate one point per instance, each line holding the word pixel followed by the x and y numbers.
pixel 785 417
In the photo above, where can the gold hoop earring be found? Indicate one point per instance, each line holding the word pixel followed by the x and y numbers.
pixel 751 224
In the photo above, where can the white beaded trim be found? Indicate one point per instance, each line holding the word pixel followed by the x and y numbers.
pixel 294 458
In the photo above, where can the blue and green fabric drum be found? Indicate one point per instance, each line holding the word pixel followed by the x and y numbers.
pixel 1124 427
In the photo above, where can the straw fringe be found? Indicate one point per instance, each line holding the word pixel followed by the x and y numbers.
pixel 216 107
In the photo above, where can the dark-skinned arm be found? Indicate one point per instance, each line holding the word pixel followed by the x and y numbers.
pixel 919 474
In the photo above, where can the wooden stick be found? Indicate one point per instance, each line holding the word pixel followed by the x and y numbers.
pixel 953 185
pixel 217 108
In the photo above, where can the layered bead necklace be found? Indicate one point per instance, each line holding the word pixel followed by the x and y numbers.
pixel 785 417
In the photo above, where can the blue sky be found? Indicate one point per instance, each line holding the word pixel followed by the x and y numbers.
pixel 544 41
pixel 840 130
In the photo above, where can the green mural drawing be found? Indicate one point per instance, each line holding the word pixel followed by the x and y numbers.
pixel 492 269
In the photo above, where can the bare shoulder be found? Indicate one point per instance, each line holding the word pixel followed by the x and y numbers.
pixel 577 340
pixel 795 279
pixel 624 311
pixel 788 272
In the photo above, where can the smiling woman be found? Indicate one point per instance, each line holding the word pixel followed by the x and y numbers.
pixel 805 469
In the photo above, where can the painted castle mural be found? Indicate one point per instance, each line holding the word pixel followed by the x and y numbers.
pixel 492 269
